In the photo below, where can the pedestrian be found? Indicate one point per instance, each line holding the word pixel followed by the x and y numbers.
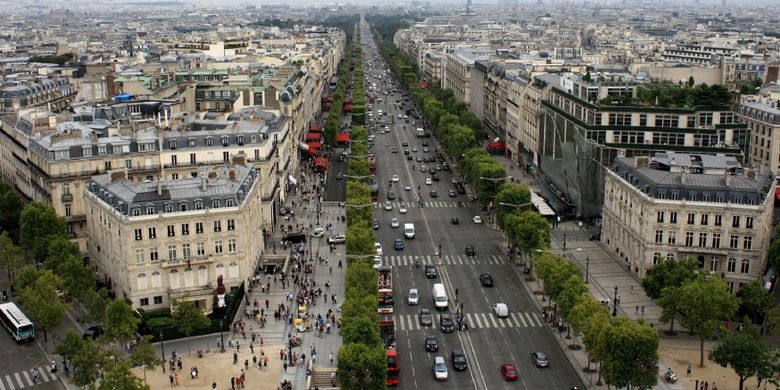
pixel 246 364
pixel 178 363
pixel 340 263
pixel 254 360
pixel 637 310
pixel 330 357
pixel 706 385
pixel 333 378
pixel 696 386
pixel 285 366
pixel 176 378
pixel 688 373
pixel 643 310
pixel 235 358
pixel 714 387
pixel 213 385
pixel 266 301
pixel 252 347
pixel 233 383
pixel 170 379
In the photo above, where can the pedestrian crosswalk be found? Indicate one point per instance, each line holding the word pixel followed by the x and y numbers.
pixel 22 379
pixel 401 261
pixel 476 321
pixel 440 204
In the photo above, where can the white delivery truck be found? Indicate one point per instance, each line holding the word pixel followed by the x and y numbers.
pixel 409 230
pixel 420 132
pixel 440 300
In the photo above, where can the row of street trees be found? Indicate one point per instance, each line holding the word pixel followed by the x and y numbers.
pixel 361 359
pixel 333 123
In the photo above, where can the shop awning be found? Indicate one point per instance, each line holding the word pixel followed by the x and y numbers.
pixel 777 193
pixel 541 205
pixel 313 136
pixel 342 137
pixel 315 128
pixel 321 162
pixel 314 144
pixel 497 145
pixel 314 151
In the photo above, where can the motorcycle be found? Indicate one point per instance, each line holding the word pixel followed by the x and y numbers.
pixel 670 377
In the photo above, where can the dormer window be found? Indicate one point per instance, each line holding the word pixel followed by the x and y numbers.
pixel 136 211
pixel 240 139
pixel 172 145
pixel 192 142
pixel 229 202
pixel 198 205
pixel 209 142
pixel 215 204
pixel 225 141
pixel 149 210
pixel 168 208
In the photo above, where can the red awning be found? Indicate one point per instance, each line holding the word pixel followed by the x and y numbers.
pixel 315 128
pixel 314 144
pixel 313 136
pixel 314 151
pixel 347 106
pixel 342 137
pixel 321 162
pixel 777 193
pixel 497 145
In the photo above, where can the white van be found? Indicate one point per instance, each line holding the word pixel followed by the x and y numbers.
pixel 501 310
pixel 440 297
pixel 409 230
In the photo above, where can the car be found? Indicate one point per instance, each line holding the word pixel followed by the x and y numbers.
pixel 435 176
pixel 434 194
pixel 426 150
pixel 414 149
pixel 394 223
pixel 418 159
pixel 454 221
pixel 431 344
pixel 423 168
pixel 501 310
pixel 454 180
pixel 394 150
pixel 407 152
pixel 376 224
pixel 470 250
pixel 395 179
pixel 509 372
pixel 402 209
pixel 437 167
pixel 425 143
pixel 452 193
pixel 337 239
pixel 461 189
pixel 404 143
pixel 377 262
pixel 445 166
pixel 93 332
pixel 407 187
pixel 388 205
pixel 318 232
pixel 341 158
pixel 398 244
pixel 458 360
pixel 378 248
pixel 440 369
pixel 430 271
pixel 486 280
pixel 390 195
pixel 428 180
pixel 477 219
pixel 425 317
pixel 446 325
pixel 409 157
pixel 284 211
pixel 540 360
pixel 413 297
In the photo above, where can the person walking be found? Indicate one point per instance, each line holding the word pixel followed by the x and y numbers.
pixel 330 357
pixel 688 373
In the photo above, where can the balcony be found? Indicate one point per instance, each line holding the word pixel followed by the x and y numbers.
pixel 66 197
pixel 193 261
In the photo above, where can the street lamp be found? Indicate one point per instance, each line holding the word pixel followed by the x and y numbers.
pixel 162 346
pixel 564 241
pixel 614 303
pixel 587 269
pixel 221 337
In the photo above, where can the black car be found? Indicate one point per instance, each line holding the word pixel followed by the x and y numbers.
pixel 486 280
pixel 435 176
pixel 454 220
pixel 426 318
pixel 295 238
pixel 425 143
pixel 404 143
pixel 445 166
pixel 431 344
pixel 284 211
pixel 461 190
pixel 430 271
pixel 470 250
pixel 445 323
pixel 459 361
pixel 452 193
pixel 390 195
pixel 376 224
pixel 540 359
pixel 93 332
pixel 434 194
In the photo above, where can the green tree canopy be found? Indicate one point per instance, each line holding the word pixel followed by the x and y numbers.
pixel 668 273
pixel 188 317
pixel 747 355
pixel 367 365
pixel 510 200
pixel 528 231
pixel 631 354
pixel 145 356
pixel 11 256
pixel 42 303
pixel 118 376
pixel 121 323
pixel 39 224
pixel 754 300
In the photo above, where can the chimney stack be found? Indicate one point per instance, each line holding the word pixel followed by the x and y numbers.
pixel 159 187
pixel 727 177
pixel 204 182
pixel 683 176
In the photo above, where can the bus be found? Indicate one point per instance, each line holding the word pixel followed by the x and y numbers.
pixel 16 322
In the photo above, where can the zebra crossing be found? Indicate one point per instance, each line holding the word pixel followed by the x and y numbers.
pixel 439 204
pixel 401 261
pixel 476 321
pixel 22 379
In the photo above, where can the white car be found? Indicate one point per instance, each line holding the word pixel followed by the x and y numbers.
pixel 394 223
pixel 428 181
pixel 395 179
pixel 440 368
pixel 477 219
pixel 378 248
pixel 377 262
pixel 501 310
pixel 402 209
pixel 413 297
pixel 318 232
pixel 388 205
pixel 407 187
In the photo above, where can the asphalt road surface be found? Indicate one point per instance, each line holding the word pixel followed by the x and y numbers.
pixel 490 342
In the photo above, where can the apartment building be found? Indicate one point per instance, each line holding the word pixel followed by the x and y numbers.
pixel 763 121
pixel 458 73
pixel 523 100
pixel 696 53
pixel 18 93
pixel 178 239
pixel 675 205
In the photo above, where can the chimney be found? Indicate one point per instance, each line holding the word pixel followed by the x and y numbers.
pixel 751 174
pixel 204 183
pixel 118 176
pixel 683 176
pixel 727 177
pixel 159 187
pixel 93 137
pixel 232 175
pixel 239 159
pixel 641 161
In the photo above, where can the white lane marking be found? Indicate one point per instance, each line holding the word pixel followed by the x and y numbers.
pixel 493 320
pixel 536 317
pixel 19 380
pixel 476 320
pixel 27 378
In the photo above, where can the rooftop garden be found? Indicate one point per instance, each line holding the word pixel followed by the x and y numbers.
pixel 671 95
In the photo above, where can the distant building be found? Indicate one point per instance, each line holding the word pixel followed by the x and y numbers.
pixel 763 120
pixel 675 205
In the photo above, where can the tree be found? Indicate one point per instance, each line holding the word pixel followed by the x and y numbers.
pixel 573 291
pixel 754 301
pixel 121 322
pixel 11 256
pixel 188 317
pixel 668 273
pixel 10 208
pixel 589 316
pixel 145 356
pixel 509 199
pixel 528 231
pixel 670 304
pixel 118 376
pixel 86 363
pixel 42 302
pixel 77 280
pixel 631 354
pixel 747 355
pixel 705 302
pixel 39 224
pixel 95 302
pixel 362 367
pixel 70 345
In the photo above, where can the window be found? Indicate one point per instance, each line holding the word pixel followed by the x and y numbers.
pixel 716 240
pixel 673 217
pixel 66 189
pixel 87 151
pixel 215 204
pixel 174 160
pixel 144 302
pixel 718 220
pixel 153 255
pixel 171 230
pixel 199 227
pixel 657 258
pixel 734 242
pixel 149 210
pixel 217 226
pixel 209 142
pixel 659 236
pixel 172 145
pixel 218 247
pixel 192 143
pixel 185 251
pixel 136 211
pixel 705 219
pixel 660 218
pixel 67 210
pixel 747 242
pixel 102 150
pixel 731 265
pixel 702 239
pixel 200 249
pixel 232 245
pixel 158 300
pixel 226 157
pixel 152 232
pixel 670 256
pixel 229 202
pixel 749 222
pixel 185 229
pixel 193 159
pixel 231 224
pixel 691 218
pixel 714 264
pixel 107 165
pixel 198 205
pixel 169 207
pixel 672 238
pixel 735 221
pixel 745 267
pixel 129 164
pixel 139 256
pixel 138 235
pixel 688 238
pixel 172 252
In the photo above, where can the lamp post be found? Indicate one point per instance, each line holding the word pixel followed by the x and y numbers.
pixel 162 346
pixel 221 337
pixel 587 269
pixel 564 241
pixel 614 303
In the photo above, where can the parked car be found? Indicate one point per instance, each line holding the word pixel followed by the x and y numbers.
pixel 470 250
pixel 337 239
